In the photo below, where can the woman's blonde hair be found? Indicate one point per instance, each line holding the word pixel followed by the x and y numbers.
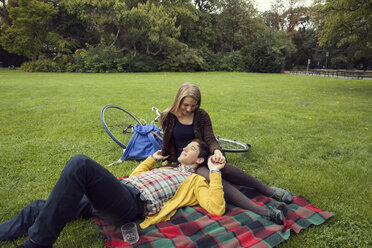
pixel 187 89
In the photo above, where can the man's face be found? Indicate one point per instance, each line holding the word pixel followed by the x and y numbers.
pixel 190 154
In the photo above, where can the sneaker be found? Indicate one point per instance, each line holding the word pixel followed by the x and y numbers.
pixel 282 195
pixel 275 215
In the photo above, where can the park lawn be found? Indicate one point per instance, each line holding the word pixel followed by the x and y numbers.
pixel 311 135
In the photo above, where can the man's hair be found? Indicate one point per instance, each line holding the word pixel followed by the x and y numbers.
pixel 203 149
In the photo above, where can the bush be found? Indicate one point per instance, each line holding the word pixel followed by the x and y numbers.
pixel 95 59
pixel 104 59
pixel 28 66
pixel 266 54
pixel 211 59
pixel 182 58
pixel 58 63
pixel 232 61
pixel 339 62
pixel 299 67
pixel 140 63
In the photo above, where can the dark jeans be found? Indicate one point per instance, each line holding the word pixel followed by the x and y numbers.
pixel 84 189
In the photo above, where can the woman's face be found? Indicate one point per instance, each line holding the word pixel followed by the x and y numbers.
pixel 188 106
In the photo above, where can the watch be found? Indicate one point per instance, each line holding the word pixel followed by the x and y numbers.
pixel 215 171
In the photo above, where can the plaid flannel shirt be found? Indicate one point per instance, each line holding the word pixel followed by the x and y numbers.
pixel 158 186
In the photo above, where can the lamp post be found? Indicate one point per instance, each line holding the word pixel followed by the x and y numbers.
pixel 308 64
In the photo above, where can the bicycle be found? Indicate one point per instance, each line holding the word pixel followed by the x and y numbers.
pixel 119 124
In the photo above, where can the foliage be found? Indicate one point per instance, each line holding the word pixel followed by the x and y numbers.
pixel 146 28
pixel 99 16
pixel 72 28
pixel 153 28
pixel 211 59
pixel 103 59
pixel 58 63
pixel 288 15
pixel 152 35
pixel 237 23
pixel 232 61
pixel 346 22
pixel 181 58
pixel 339 62
pixel 268 52
pixel 196 28
pixel 30 33
pixel 306 43
pixel 4 14
pixel 206 6
pixel 95 59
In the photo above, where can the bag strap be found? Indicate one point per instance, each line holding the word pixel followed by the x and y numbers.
pixel 157 135
pixel 155 143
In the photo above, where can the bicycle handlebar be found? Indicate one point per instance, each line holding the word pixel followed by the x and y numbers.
pixel 158 113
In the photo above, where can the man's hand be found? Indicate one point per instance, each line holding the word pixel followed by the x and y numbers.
pixel 216 165
pixel 218 157
pixel 157 156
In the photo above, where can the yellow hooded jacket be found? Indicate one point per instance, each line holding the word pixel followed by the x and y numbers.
pixel 194 190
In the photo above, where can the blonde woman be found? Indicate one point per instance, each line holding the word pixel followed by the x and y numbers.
pixel 184 121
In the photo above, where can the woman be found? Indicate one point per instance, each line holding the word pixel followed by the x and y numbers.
pixel 184 121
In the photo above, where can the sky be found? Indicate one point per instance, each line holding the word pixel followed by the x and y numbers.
pixel 263 5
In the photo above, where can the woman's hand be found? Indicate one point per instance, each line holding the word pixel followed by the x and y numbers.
pixel 214 165
pixel 157 156
pixel 218 157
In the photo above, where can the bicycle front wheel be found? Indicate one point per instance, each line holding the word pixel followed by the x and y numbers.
pixel 229 145
pixel 119 124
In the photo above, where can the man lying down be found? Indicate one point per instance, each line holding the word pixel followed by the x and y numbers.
pixel 87 189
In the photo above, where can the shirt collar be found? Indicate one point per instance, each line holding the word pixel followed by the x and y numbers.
pixel 185 168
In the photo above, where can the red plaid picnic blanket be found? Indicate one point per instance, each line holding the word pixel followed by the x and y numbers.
pixel 195 227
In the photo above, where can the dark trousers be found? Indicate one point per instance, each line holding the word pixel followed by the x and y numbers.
pixel 84 189
pixel 234 175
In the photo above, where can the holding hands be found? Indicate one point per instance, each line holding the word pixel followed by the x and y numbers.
pixel 216 164
pixel 218 157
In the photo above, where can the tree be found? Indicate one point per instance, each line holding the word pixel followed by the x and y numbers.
pixel 307 48
pixel 102 18
pixel 237 22
pixel 288 15
pixel 147 28
pixel 151 27
pixel 4 14
pixel 29 32
pixel 207 6
pixel 268 52
pixel 346 23
pixel 293 18
pixel 72 28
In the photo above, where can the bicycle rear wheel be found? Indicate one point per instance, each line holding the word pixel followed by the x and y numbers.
pixel 119 124
pixel 229 145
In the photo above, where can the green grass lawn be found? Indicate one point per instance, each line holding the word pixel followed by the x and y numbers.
pixel 311 135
